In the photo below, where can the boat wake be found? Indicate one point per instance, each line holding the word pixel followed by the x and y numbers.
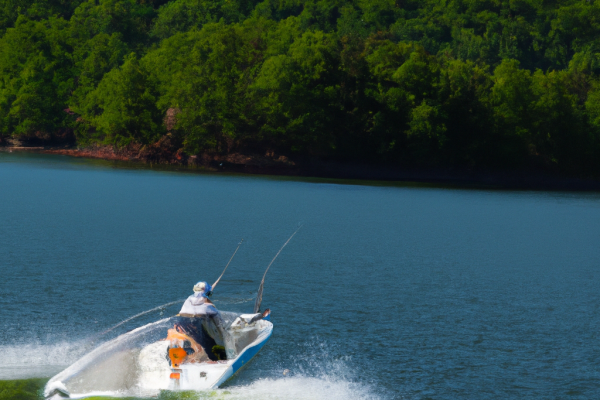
pixel 314 370
pixel 38 360
pixel 308 377
pixel 297 388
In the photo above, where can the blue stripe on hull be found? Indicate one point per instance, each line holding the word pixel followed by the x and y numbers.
pixel 242 360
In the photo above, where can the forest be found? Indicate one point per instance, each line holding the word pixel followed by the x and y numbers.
pixel 489 84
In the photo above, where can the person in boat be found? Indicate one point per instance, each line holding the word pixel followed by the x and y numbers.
pixel 198 304
pixel 201 321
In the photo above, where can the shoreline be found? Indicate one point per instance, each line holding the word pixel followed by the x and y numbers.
pixel 320 169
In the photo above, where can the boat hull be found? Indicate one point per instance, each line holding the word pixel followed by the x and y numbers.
pixel 118 369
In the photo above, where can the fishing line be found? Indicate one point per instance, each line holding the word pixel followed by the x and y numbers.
pixel 139 315
pixel 260 288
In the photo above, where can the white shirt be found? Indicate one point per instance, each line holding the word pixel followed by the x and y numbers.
pixel 196 304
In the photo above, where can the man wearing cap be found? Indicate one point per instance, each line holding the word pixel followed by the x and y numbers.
pixel 198 304
pixel 200 319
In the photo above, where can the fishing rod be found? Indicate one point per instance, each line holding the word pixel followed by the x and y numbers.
pixel 260 288
pixel 168 304
pixel 214 285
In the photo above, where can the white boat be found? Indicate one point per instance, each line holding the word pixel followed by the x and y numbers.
pixel 140 363
pixel 144 362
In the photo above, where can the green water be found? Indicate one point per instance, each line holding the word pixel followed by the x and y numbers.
pixel 22 389
pixel 32 389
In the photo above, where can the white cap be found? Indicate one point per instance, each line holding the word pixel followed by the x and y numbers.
pixel 202 287
pixel 199 287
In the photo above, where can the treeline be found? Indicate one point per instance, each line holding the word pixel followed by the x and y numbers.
pixel 424 83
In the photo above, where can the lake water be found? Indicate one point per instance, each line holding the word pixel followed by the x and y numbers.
pixel 387 292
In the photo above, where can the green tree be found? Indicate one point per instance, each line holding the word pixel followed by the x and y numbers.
pixel 182 15
pixel 511 98
pixel 122 109
pixel 10 10
pixel 129 18
pixel 36 71
pixel 206 74
pixel 100 54
pixel 299 90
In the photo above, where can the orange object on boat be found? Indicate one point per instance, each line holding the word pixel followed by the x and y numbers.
pixel 175 375
pixel 174 334
pixel 177 355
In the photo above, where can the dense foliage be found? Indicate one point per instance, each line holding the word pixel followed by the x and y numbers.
pixel 487 83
